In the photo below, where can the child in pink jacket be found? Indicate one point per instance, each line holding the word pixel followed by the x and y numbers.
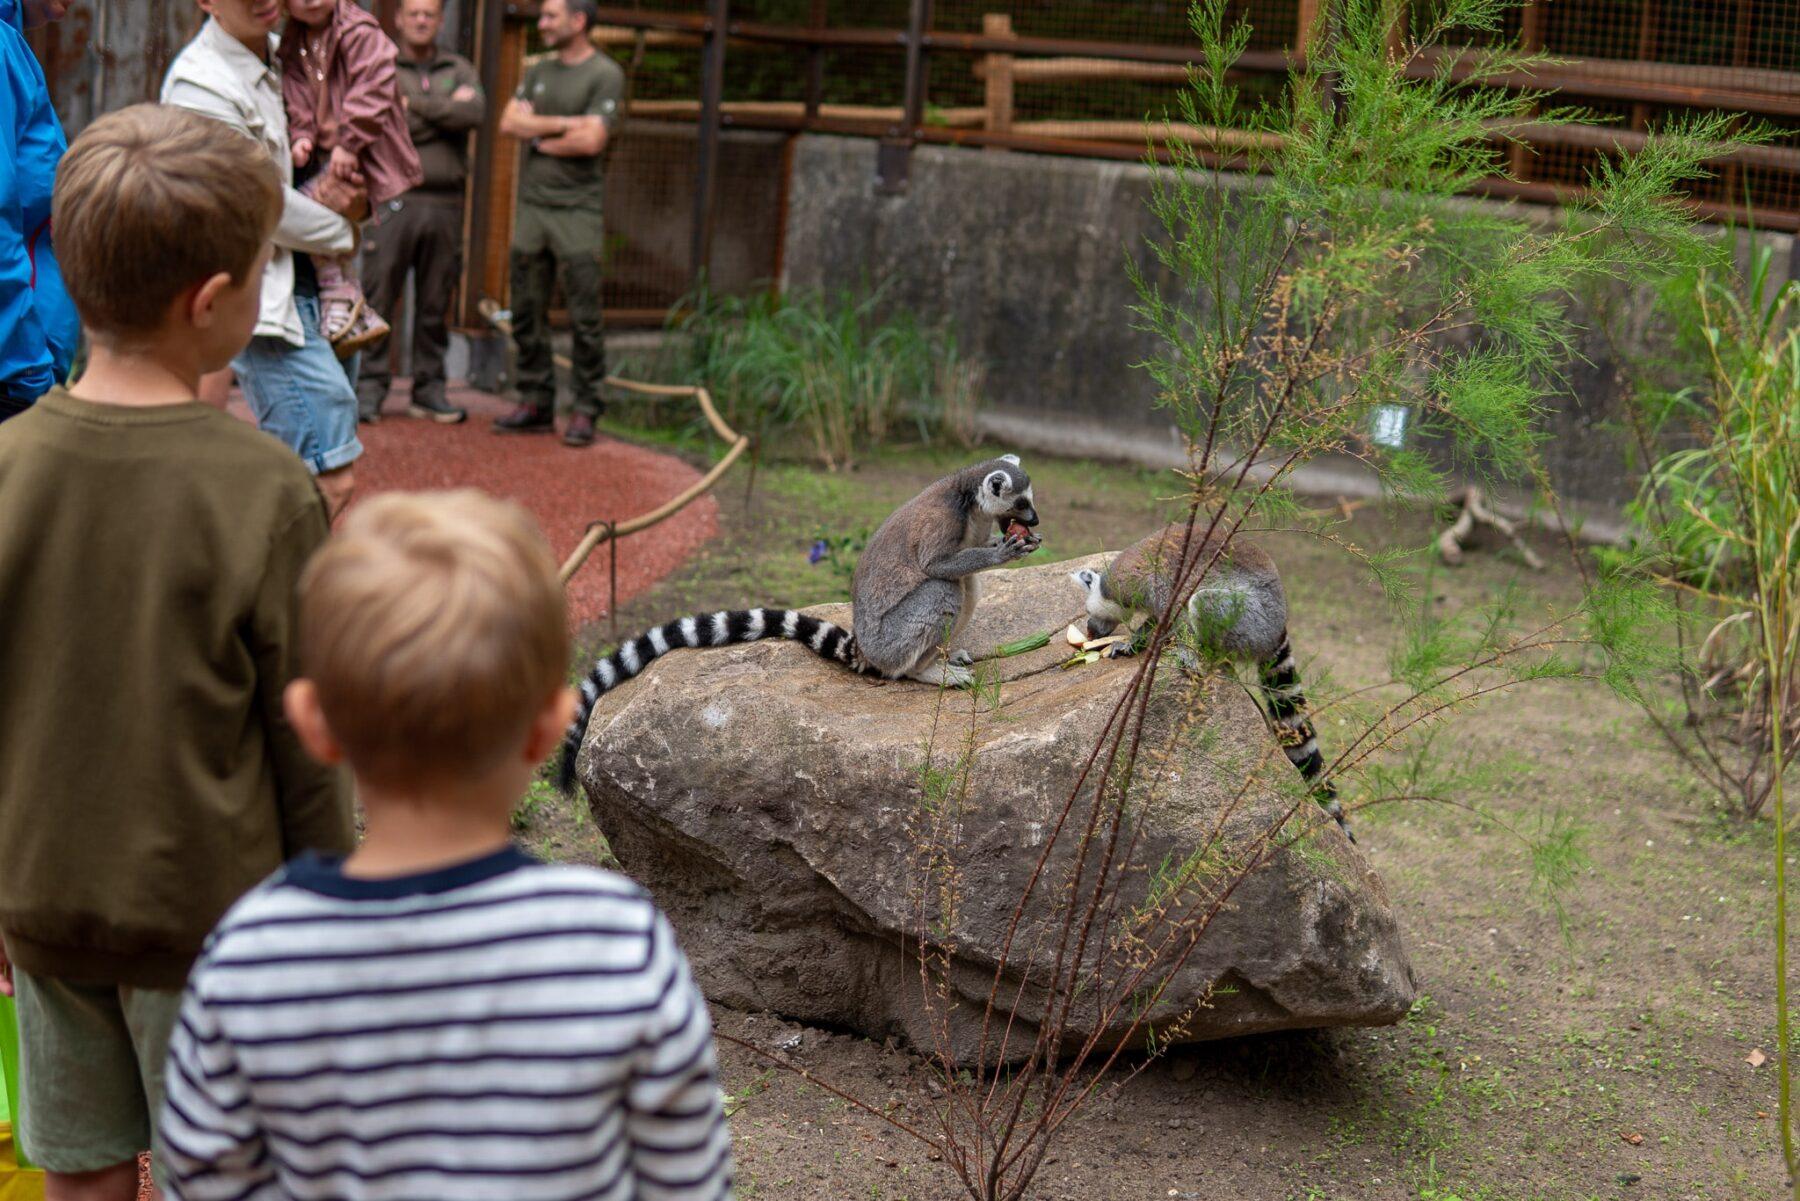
pixel 338 83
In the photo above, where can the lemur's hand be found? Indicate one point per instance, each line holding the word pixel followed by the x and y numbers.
pixel 1013 547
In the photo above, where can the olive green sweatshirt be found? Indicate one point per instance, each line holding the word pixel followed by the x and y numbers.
pixel 149 559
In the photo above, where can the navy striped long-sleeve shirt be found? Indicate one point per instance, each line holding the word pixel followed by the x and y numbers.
pixel 502 1028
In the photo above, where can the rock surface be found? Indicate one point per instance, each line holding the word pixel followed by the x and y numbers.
pixel 775 805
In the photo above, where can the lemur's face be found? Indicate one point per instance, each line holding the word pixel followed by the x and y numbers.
pixel 1005 494
pixel 1103 615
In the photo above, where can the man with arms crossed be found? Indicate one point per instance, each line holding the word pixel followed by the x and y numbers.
pixel 295 385
pixel 422 231
pixel 563 112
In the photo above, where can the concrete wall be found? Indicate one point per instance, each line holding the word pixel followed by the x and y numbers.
pixel 1025 256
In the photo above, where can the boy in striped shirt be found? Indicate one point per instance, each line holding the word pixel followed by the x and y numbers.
pixel 439 1015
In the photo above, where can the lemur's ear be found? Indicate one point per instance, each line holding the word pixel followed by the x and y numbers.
pixel 1085 577
pixel 995 482
pixel 1013 459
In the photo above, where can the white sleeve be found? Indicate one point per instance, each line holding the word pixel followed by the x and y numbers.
pixel 305 224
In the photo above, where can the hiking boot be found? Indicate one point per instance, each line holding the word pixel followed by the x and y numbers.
pixel 526 419
pixel 580 431
pixel 436 408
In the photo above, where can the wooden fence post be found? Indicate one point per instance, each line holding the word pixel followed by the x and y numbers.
pixel 1531 38
pixel 1305 21
pixel 997 71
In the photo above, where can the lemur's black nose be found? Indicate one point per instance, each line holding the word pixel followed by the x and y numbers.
pixel 1026 516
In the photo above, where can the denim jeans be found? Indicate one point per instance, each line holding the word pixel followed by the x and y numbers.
pixel 302 394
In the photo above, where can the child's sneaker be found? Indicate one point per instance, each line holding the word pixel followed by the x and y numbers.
pixel 337 313
pixel 365 329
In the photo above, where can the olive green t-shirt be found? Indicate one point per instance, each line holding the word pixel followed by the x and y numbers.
pixel 593 87
pixel 149 568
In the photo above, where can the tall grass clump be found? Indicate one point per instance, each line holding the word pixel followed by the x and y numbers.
pixel 1717 515
pixel 838 372
pixel 1721 517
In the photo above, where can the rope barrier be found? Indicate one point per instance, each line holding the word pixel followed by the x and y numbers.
pixel 599 532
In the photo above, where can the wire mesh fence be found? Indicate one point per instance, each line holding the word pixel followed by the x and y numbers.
pixel 1103 78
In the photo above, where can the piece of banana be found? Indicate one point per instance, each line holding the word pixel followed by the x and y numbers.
pixel 1078 637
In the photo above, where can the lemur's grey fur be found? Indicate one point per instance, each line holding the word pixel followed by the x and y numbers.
pixel 1238 610
pixel 913 592
pixel 915 585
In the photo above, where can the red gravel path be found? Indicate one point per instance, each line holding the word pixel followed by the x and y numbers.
pixel 565 488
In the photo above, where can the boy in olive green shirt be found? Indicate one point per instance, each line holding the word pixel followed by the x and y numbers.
pixel 149 556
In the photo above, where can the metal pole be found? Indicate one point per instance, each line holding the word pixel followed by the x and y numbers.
pixel 815 61
pixel 489 20
pixel 917 22
pixel 893 159
pixel 712 88
pixel 612 579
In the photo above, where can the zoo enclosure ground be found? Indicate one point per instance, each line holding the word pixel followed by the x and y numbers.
pixel 1609 1062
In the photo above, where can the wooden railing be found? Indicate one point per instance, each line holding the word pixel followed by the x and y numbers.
pixel 1007 67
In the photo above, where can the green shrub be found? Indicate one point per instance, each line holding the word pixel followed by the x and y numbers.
pixel 1720 518
pixel 829 369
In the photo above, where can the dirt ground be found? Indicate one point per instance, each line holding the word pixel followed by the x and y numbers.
pixel 1601 1056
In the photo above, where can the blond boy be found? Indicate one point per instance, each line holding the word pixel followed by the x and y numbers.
pixel 149 558
pixel 439 1015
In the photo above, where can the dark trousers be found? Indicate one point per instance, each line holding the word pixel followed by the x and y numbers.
pixel 546 240
pixel 423 235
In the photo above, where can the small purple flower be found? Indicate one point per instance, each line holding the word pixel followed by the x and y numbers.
pixel 820 549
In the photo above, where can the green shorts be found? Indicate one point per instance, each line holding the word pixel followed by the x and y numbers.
pixel 90 1070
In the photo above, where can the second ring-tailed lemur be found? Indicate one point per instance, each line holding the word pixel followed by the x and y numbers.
pixel 913 592
pixel 1238 610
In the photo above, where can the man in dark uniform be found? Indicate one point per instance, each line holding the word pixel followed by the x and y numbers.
pixel 563 112
pixel 422 231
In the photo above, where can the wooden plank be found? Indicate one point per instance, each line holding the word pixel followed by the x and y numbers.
pixel 1531 38
pixel 1079 67
pixel 1306 21
pixel 875 114
pixel 1142 132
pixel 502 181
pixel 997 73
pixel 791 114
pixel 606 37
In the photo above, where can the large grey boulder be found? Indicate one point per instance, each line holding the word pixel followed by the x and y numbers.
pixel 774 804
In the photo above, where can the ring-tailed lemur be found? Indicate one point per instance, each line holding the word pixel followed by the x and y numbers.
pixel 913 592
pixel 1238 611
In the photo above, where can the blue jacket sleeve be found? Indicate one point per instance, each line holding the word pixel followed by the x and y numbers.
pixel 38 325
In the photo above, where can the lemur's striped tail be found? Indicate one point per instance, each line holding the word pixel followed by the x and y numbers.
pixel 1287 711
pixel 705 629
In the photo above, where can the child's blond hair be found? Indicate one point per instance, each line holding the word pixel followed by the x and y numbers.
pixel 151 200
pixel 433 626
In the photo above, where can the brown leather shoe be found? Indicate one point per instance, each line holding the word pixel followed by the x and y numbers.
pixel 580 431
pixel 526 419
